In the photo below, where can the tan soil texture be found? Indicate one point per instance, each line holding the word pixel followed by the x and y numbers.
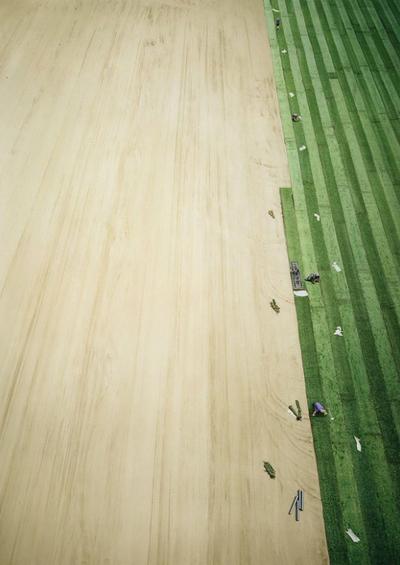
pixel 144 376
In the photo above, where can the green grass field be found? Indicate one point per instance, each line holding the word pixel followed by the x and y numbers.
pixel 342 64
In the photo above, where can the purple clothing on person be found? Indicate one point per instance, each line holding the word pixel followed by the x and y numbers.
pixel 318 407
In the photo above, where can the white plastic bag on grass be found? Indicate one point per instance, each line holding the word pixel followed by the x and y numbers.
pixel 352 535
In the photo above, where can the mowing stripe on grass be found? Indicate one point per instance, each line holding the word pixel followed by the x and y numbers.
pixel 366 411
pixel 334 171
pixel 389 207
pixel 377 154
pixel 323 86
pixel 390 17
pixel 341 451
pixel 350 51
pixel 378 38
pixel 373 51
pixel 340 64
pixel 384 84
pixel 331 459
pixel 336 168
pixel 333 452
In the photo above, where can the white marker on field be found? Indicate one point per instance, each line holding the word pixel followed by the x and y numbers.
pixel 301 293
pixel 352 535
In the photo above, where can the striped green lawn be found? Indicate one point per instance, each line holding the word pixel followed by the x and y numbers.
pixel 342 63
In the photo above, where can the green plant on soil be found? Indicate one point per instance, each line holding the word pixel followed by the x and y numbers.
pixel 268 468
pixel 275 306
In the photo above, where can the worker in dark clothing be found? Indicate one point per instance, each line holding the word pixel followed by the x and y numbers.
pixel 313 278
pixel 277 23
pixel 296 118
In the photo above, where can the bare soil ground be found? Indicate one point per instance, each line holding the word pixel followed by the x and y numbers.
pixel 144 377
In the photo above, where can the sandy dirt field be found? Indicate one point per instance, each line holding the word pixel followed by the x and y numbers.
pixel 144 377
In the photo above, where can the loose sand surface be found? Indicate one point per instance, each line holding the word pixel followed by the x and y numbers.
pixel 144 377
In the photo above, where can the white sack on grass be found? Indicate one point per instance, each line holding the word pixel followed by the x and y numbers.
pixel 317 217
pixel 284 51
pixel 336 267
pixel 302 148
pixel 292 94
pixel 301 293
pixel 275 10
pixel 339 331
pixel 358 443
pixel 352 535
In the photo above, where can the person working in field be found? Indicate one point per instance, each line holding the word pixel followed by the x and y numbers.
pixel 319 410
pixel 313 278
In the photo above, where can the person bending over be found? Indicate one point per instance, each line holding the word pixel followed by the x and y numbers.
pixel 319 410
